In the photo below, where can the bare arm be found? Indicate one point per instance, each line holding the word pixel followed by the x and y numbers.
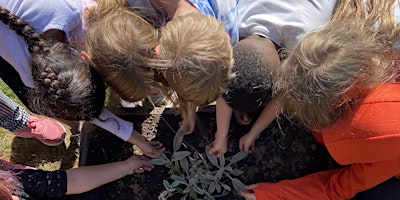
pixel 223 115
pixel 83 179
pixel 271 110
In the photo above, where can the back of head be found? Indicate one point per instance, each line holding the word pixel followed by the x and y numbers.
pixel 120 42
pixel 195 58
pixel 333 68
pixel 66 86
pixel 255 58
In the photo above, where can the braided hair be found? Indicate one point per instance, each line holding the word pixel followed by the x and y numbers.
pixel 66 85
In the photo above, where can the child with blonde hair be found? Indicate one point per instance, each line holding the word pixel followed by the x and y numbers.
pixel 190 59
pixel 340 81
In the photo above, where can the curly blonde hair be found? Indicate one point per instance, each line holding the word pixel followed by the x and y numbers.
pixel 195 59
pixel 333 68
pixel 120 41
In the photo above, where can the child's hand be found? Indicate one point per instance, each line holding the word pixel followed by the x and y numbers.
pixel 219 146
pixel 151 149
pixel 246 143
pixel 138 164
pixel 242 118
pixel 248 194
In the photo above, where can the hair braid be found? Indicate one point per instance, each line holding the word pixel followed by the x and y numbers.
pixel 65 84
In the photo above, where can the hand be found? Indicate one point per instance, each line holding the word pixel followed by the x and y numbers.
pixel 248 194
pixel 219 146
pixel 151 149
pixel 242 117
pixel 187 125
pixel 138 164
pixel 246 142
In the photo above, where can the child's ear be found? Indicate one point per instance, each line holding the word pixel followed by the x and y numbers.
pixel 86 57
pixel 157 50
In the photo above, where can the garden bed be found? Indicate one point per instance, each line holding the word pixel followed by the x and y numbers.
pixel 283 151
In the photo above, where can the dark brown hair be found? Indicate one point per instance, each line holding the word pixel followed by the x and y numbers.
pixel 66 86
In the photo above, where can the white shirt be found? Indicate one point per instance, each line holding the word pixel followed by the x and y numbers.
pixel 283 21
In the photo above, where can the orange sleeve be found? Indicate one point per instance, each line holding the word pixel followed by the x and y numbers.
pixel 341 183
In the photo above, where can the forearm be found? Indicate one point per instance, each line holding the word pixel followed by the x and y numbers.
pixel 83 179
pixel 269 114
pixel 341 183
pixel 223 117
pixel 114 124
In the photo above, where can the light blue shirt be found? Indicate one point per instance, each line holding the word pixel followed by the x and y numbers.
pixel 224 11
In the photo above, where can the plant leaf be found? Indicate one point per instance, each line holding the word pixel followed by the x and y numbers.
pixel 238 157
pixel 211 157
pixel 236 172
pixel 180 179
pixel 193 194
pixel 238 185
pixel 177 143
pixel 226 187
pixel 184 164
pixel 159 161
pixel 180 155
pixel 222 160
pixel 211 187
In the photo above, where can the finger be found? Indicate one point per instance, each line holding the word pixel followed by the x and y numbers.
pixel 245 117
pixel 251 187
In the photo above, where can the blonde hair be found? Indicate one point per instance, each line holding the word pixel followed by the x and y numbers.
pixel 120 41
pixel 331 69
pixel 195 59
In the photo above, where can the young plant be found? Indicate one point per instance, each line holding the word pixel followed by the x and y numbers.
pixel 192 176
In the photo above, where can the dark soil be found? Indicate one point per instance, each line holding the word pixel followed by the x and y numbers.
pixel 283 151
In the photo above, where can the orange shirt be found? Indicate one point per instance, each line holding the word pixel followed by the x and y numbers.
pixel 367 140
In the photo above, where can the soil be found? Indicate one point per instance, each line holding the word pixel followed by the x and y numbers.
pixel 283 151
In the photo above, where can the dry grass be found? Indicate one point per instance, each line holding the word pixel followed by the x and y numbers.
pixel 32 152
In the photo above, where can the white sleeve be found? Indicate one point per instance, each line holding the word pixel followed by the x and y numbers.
pixel 115 125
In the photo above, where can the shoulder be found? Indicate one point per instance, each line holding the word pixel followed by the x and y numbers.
pixel 370 133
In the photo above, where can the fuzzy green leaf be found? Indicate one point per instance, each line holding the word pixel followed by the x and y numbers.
pixel 211 187
pixel 180 155
pixel 236 172
pixel 238 157
pixel 159 161
pixel 193 194
pixel 180 179
pixel 211 157
pixel 222 160
pixel 184 164
pixel 238 185
pixel 177 143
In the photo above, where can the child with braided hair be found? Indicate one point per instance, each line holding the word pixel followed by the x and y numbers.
pixel 73 89
pixel 341 82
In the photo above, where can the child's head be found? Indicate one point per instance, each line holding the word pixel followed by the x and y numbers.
pixel 333 68
pixel 255 58
pixel 195 58
pixel 120 41
pixel 66 86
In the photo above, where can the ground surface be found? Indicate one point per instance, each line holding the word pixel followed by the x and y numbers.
pixel 282 152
